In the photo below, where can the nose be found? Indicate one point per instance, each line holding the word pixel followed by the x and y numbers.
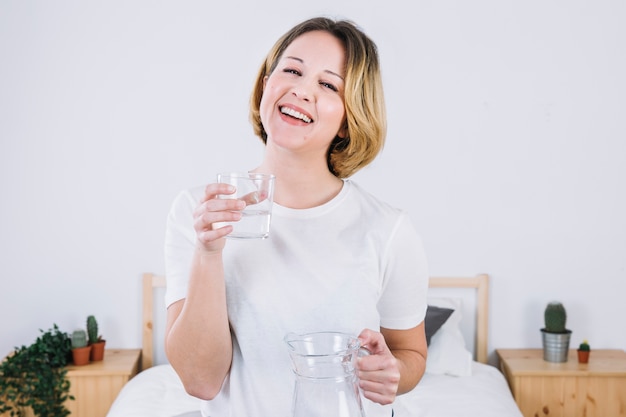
pixel 304 89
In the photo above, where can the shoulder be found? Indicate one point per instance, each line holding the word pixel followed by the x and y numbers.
pixel 377 213
pixel 371 204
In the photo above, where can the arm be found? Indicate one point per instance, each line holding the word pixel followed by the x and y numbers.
pixel 409 348
pixel 399 356
pixel 198 342
pixel 396 364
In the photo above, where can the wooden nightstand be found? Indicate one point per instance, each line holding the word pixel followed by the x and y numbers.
pixel 95 386
pixel 569 389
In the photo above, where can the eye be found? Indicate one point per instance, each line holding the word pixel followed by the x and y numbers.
pixel 292 71
pixel 329 85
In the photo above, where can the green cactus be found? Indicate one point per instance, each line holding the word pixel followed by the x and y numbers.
pixel 79 339
pixel 555 318
pixel 584 346
pixel 92 329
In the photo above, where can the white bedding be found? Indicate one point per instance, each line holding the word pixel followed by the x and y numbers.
pixel 484 393
pixel 158 392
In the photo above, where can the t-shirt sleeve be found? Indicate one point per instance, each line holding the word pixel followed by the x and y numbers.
pixel 403 303
pixel 180 241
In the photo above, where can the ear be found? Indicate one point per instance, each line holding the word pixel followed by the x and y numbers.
pixel 343 130
pixel 265 81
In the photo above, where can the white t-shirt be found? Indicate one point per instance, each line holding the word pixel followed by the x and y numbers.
pixel 350 264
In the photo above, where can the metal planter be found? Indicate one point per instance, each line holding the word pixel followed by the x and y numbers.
pixel 555 345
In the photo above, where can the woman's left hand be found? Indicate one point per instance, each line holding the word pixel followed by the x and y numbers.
pixel 378 372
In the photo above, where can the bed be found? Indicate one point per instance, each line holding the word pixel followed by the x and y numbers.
pixel 458 380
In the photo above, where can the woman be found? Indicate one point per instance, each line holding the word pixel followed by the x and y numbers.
pixel 337 259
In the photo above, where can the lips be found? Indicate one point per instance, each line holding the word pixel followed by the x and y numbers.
pixel 295 114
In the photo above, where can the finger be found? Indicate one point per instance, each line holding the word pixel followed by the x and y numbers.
pixel 207 236
pixel 377 397
pixel 370 363
pixel 373 341
pixel 211 191
pixel 254 197
pixel 218 205
pixel 378 362
pixel 381 387
pixel 384 376
pixel 384 388
pixel 206 221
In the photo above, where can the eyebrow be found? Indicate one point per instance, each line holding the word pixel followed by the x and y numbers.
pixel 326 71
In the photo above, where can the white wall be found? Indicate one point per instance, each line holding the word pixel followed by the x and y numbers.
pixel 507 144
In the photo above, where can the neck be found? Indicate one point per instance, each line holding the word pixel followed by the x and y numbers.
pixel 300 182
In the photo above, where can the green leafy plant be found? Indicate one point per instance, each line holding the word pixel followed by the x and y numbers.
pixel 35 377
pixel 555 318
pixel 584 346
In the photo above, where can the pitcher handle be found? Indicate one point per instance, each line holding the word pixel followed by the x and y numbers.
pixel 364 352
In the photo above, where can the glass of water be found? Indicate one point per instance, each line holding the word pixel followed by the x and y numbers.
pixel 257 190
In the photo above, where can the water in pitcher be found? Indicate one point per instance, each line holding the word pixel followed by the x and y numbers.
pixel 326 381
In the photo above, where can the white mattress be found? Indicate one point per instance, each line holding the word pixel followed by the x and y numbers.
pixel 158 392
pixel 155 392
pixel 484 393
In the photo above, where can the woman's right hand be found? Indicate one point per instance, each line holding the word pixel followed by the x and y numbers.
pixel 212 210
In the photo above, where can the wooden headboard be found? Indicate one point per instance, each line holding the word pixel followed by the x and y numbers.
pixel 479 283
pixel 149 283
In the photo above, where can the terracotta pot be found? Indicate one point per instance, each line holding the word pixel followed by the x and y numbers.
pixel 80 356
pixel 97 351
pixel 583 356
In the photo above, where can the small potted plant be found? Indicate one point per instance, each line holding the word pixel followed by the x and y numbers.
pixel 33 378
pixel 80 348
pixel 555 336
pixel 95 340
pixel 583 352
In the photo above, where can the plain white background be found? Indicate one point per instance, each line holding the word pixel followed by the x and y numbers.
pixel 506 143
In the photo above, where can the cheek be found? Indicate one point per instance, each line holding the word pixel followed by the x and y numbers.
pixel 265 105
pixel 338 110
pixel 270 94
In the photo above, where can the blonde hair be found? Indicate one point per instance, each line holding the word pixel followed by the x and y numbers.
pixel 363 95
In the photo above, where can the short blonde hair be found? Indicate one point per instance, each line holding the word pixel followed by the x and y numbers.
pixel 363 95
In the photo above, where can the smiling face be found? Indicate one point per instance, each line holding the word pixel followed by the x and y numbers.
pixel 302 107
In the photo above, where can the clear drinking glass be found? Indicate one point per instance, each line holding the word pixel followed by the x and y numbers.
pixel 257 190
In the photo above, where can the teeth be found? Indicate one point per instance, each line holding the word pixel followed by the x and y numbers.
pixel 296 114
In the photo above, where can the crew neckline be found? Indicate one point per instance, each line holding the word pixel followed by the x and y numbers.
pixel 277 209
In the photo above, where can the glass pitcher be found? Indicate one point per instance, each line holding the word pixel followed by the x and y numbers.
pixel 326 381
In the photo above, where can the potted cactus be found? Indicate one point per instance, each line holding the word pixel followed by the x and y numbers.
pixel 95 340
pixel 80 348
pixel 583 352
pixel 555 336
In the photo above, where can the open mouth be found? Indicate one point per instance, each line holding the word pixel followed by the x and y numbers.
pixel 295 114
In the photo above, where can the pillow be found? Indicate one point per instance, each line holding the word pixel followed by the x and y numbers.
pixel 435 318
pixel 447 354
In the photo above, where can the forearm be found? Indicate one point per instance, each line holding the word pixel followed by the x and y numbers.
pixel 198 340
pixel 409 349
pixel 412 366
